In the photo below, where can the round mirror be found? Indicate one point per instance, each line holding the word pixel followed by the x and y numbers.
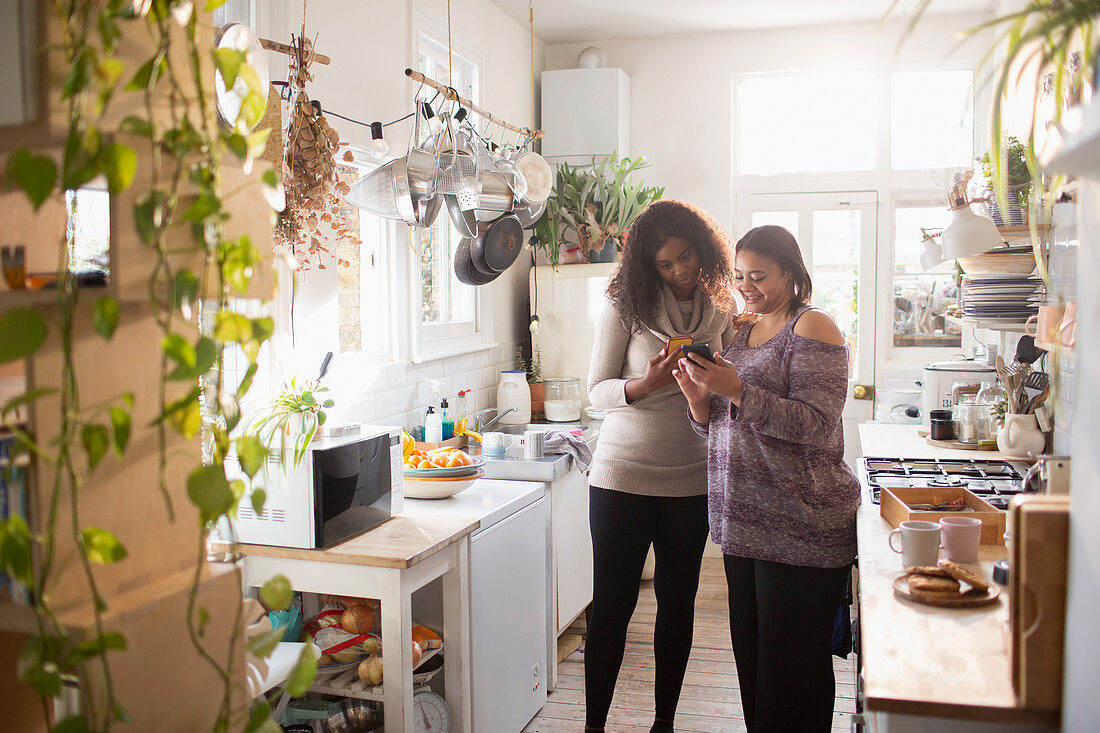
pixel 240 37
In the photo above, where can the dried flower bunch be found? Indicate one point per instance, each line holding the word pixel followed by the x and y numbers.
pixel 311 223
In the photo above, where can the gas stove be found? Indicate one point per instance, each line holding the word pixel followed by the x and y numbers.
pixel 994 481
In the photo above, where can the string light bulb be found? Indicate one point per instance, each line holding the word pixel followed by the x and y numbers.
pixel 534 324
pixel 378 148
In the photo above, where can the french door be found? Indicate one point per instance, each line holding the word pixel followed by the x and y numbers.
pixel 837 235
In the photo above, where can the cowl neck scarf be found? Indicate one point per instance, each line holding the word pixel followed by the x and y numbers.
pixel 669 321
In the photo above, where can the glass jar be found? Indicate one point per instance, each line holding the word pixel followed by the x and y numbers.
pixel 562 399
pixel 974 422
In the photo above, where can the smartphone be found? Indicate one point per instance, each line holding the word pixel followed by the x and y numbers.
pixel 702 350
pixel 675 343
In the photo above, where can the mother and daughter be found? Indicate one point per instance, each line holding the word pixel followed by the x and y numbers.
pixel 748 446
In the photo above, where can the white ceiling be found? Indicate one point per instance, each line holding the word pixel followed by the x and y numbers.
pixel 570 21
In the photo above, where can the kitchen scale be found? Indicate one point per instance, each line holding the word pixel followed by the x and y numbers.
pixel 430 712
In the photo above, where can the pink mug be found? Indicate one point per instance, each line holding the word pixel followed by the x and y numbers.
pixel 1046 323
pixel 961 538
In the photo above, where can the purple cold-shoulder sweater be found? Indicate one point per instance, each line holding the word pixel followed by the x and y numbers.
pixel 778 486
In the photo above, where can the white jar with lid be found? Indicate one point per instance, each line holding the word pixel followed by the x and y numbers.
pixel 562 399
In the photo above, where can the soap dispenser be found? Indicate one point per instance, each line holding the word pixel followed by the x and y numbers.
pixel 433 426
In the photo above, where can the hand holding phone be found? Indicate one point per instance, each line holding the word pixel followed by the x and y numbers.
pixel 702 350
pixel 675 343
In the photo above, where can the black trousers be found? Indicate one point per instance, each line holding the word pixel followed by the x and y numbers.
pixel 781 622
pixel 623 527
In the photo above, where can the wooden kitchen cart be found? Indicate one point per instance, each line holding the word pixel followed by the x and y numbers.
pixel 389 563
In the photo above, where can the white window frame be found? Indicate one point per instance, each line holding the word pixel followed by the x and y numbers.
pixel 894 187
pixel 433 341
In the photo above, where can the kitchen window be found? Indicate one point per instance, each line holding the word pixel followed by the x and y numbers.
pixel 931 119
pixel 447 311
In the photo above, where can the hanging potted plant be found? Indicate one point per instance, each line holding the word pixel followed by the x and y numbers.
pixel 596 205
pixel 1013 211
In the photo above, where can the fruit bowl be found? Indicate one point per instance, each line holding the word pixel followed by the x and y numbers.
pixel 476 462
pixel 429 487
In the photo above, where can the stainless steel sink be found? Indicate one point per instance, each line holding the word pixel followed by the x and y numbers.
pixel 521 429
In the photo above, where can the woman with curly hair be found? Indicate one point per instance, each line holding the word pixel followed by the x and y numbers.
pixel 648 481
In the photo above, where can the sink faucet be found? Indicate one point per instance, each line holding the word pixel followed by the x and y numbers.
pixel 479 417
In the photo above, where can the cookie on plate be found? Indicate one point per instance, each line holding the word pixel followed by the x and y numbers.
pixel 928 570
pixel 933 583
pixel 958 572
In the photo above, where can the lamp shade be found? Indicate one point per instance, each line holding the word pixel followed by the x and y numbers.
pixel 969 234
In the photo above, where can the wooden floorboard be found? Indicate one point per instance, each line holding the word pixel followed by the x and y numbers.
pixel 709 702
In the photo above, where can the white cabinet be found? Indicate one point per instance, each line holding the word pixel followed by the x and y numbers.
pixel 571 548
pixel 585 112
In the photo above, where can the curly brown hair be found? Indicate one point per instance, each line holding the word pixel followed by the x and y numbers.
pixel 634 289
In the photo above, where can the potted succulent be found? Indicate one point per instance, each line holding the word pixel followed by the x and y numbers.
pixel 1012 212
pixel 534 376
pixel 597 205
pixel 289 425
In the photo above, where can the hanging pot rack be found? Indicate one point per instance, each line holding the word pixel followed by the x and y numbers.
pixel 451 94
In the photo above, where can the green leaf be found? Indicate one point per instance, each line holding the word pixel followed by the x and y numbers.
pixel 252 110
pixel 209 491
pixel 202 208
pixel 35 174
pixel 96 441
pixel 74 724
pixel 185 288
pixel 15 550
pixel 204 619
pixel 147 216
pixel 232 327
pixel 24 399
pixel 264 643
pixel 214 4
pixel 259 498
pixel 120 427
pixel 119 714
pixel 99 645
pixel 228 61
pixel 270 178
pixel 135 125
pixel 147 74
pixel 105 316
pixel 81 162
pixel 277 594
pixel 258 711
pixel 184 414
pixel 119 164
pixel 77 79
pixel 39 655
pixel 22 331
pixel 252 455
pixel 301 677
pixel 237 144
pixel 102 547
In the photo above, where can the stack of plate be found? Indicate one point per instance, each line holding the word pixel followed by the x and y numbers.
pixel 1003 299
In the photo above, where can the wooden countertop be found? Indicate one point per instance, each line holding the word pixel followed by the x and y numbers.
pixel 399 542
pixel 886 440
pixel 922 660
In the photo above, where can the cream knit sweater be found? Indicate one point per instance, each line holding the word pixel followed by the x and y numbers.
pixel 648 447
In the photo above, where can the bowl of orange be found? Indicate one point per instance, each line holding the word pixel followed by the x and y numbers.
pixel 440 463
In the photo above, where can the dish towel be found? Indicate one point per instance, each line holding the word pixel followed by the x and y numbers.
pixel 564 442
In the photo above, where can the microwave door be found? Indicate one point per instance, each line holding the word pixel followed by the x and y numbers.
pixel 352 489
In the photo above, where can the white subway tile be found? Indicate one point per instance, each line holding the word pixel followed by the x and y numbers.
pixel 386 403
pixel 452 365
pixel 483 358
pixel 467 362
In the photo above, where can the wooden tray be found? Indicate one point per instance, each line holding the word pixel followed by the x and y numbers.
pixel 970 600
pixel 459 441
pixel 956 445
pixel 894 506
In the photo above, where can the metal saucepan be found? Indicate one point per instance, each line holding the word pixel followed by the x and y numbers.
pixel 464 269
pixel 529 213
pixel 499 243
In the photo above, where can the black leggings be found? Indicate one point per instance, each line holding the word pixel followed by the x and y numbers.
pixel 781 621
pixel 623 526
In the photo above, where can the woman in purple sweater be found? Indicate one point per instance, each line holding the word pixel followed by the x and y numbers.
pixel 782 501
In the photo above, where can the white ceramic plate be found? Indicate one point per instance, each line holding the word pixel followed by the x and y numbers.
pixel 595 413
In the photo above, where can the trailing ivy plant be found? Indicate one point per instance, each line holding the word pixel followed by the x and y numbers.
pixel 181 218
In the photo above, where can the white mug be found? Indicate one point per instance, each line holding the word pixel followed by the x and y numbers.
pixel 494 444
pixel 920 543
pixel 533 444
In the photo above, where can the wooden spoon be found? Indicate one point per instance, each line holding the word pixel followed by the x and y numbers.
pixel 1037 400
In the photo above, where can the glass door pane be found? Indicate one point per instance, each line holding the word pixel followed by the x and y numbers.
pixel 835 272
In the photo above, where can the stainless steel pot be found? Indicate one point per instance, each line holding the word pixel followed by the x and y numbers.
pixel 537 174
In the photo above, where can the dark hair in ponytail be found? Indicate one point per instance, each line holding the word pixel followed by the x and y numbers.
pixel 779 245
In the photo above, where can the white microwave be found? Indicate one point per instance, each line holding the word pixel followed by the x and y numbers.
pixel 343 486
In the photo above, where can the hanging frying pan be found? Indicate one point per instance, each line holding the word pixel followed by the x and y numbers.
pixel 477 255
pixel 464 269
pixel 500 242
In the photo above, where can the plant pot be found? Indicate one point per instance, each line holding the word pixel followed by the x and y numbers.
pixel 605 254
pixel 536 398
